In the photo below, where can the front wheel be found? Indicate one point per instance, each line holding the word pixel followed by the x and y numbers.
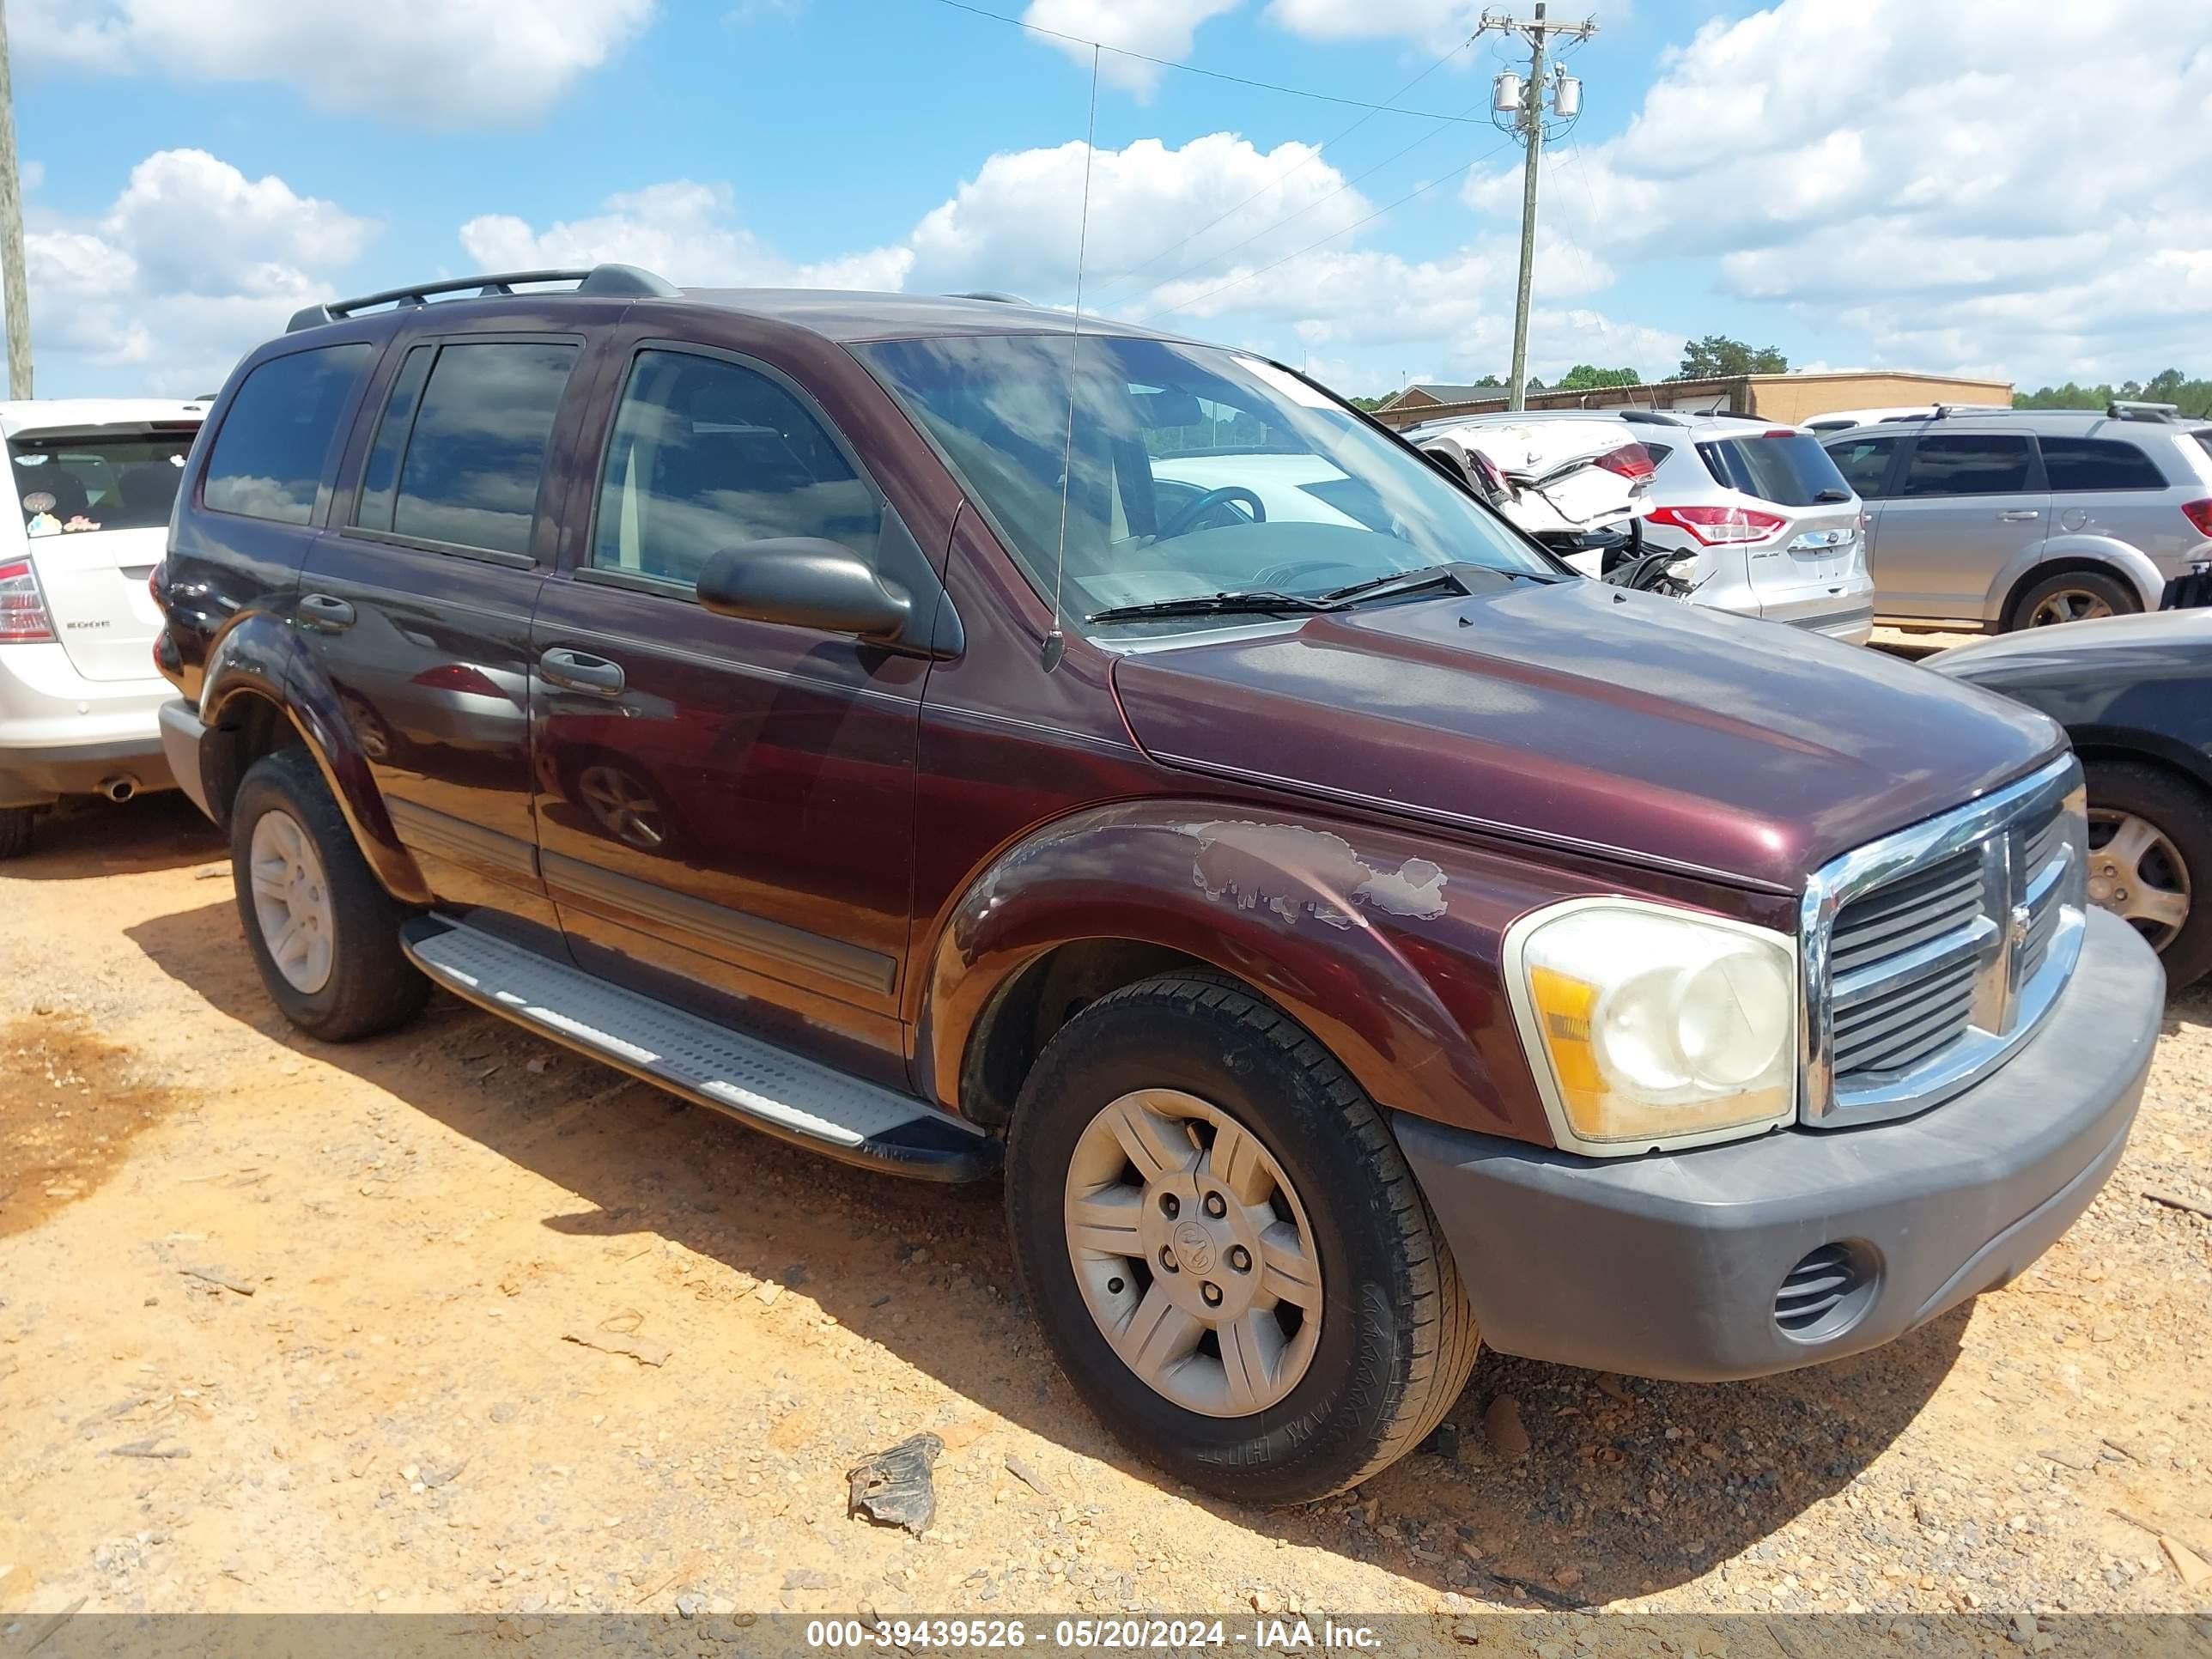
pixel 2150 858
pixel 1226 1248
pixel 322 931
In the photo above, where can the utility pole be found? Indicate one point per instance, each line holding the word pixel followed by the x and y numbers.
pixel 14 290
pixel 1524 103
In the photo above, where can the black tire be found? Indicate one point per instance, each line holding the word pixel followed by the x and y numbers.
pixel 2182 812
pixel 2122 599
pixel 1380 1381
pixel 15 831
pixel 372 985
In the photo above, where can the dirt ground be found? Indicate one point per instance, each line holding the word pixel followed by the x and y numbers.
pixel 456 1321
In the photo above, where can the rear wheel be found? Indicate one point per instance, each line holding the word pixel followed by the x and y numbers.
pixel 323 933
pixel 15 831
pixel 2073 596
pixel 2150 858
pixel 1226 1248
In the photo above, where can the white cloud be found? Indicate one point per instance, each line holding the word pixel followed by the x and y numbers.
pixel 192 265
pixel 1158 28
pixel 451 62
pixel 1196 229
pixel 1015 225
pixel 1919 173
pixel 1435 25
pixel 687 232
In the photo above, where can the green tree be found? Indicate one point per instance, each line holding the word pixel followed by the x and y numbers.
pixel 1584 377
pixel 1716 355
pixel 2192 395
pixel 1489 380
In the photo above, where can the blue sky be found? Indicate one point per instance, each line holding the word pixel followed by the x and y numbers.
pixel 1861 183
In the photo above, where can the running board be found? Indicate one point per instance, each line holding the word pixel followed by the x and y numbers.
pixel 796 1099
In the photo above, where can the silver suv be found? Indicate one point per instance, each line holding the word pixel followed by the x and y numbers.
pixel 1993 519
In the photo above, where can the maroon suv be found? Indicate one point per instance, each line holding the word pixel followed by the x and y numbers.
pixel 951 739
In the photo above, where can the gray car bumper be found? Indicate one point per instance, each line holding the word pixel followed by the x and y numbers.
pixel 35 777
pixel 181 736
pixel 1669 1265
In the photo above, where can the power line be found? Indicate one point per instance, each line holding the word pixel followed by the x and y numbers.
pixel 1250 275
pixel 1211 75
pixel 1284 177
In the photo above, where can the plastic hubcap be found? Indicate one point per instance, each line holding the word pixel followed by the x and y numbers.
pixel 2137 873
pixel 1193 1253
pixel 292 902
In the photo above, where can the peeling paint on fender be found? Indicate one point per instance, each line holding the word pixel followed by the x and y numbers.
pixel 1296 871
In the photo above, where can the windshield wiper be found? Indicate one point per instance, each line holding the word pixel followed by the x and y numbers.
pixel 1398 581
pixel 1259 601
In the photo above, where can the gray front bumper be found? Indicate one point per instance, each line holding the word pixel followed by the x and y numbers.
pixel 1668 1265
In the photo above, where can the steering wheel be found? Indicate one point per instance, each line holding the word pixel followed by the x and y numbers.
pixel 1276 574
pixel 1187 520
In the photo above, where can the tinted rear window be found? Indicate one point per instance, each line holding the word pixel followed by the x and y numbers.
pixel 1864 463
pixel 477 452
pixel 1789 471
pixel 2099 464
pixel 269 454
pixel 98 480
pixel 1968 463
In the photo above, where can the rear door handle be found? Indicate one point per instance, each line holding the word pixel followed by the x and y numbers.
pixel 326 613
pixel 575 671
pixel 2020 515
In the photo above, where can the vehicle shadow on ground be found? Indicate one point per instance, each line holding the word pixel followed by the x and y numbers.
pixel 82 841
pixel 1625 1488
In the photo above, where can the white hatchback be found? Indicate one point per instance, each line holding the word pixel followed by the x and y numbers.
pixel 83 523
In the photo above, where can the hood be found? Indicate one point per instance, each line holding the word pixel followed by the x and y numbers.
pixel 1627 724
pixel 2080 645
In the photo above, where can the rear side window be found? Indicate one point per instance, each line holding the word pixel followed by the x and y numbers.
pixel 475 455
pixel 2098 464
pixel 1969 464
pixel 1864 463
pixel 276 436
pixel 708 453
pixel 1792 471
pixel 379 483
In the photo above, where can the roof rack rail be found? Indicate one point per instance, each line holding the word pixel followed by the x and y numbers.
pixel 2131 409
pixel 610 280
pixel 996 296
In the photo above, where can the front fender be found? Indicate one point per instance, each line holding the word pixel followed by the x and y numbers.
pixel 2130 564
pixel 261 655
pixel 1385 945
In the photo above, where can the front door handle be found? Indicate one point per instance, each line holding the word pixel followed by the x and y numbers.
pixel 575 671
pixel 2021 515
pixel 326 613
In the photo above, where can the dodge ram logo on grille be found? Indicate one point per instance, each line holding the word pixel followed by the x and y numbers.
pixel 2020 920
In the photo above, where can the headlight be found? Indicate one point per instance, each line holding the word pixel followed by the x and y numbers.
pixel 1647 1023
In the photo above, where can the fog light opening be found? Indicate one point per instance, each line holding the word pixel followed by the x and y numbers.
pixel 1828 1291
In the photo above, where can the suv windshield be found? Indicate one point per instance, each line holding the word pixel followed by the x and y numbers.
pixel 1789 470
pixel 1191 471
pixel 72 485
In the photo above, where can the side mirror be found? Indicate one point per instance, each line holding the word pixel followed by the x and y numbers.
pixel 804 582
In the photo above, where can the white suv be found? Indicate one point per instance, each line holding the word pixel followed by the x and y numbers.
pixel 90 486
pixel 1777 531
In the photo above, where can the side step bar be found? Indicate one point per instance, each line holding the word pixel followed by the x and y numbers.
pixel 791 1097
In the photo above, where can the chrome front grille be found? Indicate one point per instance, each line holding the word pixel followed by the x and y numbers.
pixel 1930 954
